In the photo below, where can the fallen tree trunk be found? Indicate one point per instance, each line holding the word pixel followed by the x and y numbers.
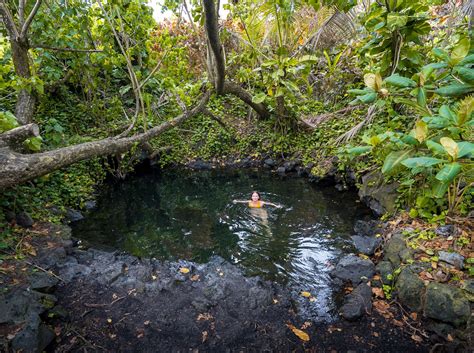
pixel 17 168
pixel 16 136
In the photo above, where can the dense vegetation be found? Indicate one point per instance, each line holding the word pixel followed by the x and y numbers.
pixel 371 86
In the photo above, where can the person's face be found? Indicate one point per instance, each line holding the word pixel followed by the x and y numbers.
pixel 255 197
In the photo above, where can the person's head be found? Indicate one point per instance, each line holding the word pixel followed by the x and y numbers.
pixel 255 196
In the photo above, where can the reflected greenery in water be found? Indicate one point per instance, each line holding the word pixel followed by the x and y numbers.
pixel 190 215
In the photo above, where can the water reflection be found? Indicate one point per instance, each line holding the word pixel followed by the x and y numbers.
pixel 191 215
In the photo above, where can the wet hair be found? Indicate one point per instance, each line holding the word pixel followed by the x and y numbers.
pixel 256 192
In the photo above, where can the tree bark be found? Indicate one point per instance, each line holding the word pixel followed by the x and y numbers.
pixel 237 90
pixel 17 168
pixel 212 31
pixel 15 137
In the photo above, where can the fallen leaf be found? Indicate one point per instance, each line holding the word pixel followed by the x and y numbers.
pixel 416 338
pixel 305 325
pixel 301 334
pixel 434 264
pixel 184 270
pixel 146 323
pixel 398 323
pixel 114 296
pixel 305 294
pixel 414 316
pixel 109 321
pixel 153 277
pixel 312 299
pixel 450 338
pixel 376 334
pixel 275 301
pixel 221 273
pixel 377 278
pixel 195 278
pixel 205 317
pixel 204 336
pixel 378 292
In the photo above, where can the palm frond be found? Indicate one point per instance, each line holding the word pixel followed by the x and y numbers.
pixel 349 135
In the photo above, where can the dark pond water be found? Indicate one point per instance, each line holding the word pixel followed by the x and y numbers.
pixel 190 215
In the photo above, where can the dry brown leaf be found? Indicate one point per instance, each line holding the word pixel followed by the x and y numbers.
pixel 376 334
pixel 398 323
pixel 305 325
pixel 205 317
pixel 378 292
pixel 416 338
pixel 195 278
pixel 414 316
pixel 450 338
pixel 301 334
pixel 204 336
pixel 376 278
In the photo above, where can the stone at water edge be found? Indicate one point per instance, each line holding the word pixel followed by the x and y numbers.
pixel 380 197
pixel 367 228
pixel 353 268
pixel 452 258
pixel 366 245
pixel 447 304
pixel 410 290
pixel 357 303
pixel 24 220
pixel 73 215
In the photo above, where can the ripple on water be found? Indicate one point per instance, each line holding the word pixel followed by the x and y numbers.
pixel 190 215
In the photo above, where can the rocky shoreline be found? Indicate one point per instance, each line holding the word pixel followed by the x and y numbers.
pixel 70 298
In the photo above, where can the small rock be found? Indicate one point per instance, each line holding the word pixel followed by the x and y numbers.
pixel 447 304
pixel 357 303
pixel 445 231
pixel 289 166
pixel 281 170
pixel 468 288
pixel 73 215
pixel 410 290
pixel 301 172
pixel 366 245
pixel 199 165
pixel 269 162
pixel 354 269
pixel 452 258
pixel 43 282
pixel 393 248
pixel 24 220
pixel 90 205
pixel 385 269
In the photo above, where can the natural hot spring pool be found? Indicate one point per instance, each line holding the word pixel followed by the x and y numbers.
pixel 189 215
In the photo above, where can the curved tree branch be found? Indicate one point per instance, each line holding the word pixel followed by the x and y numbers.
pixel 16 168
pixel 28 21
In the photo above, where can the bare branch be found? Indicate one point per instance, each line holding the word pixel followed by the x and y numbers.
pixel 41 46
pixel 28 21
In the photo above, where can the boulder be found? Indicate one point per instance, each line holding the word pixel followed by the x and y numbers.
pixel 366 245
pixel 281 170
pixel 406 254
pixel 410 290
pixel 199 165
pixel 452 258
pixel 24 220
pixel 447 304
pixel 90 205
pixel 269 162
pixel 357 303
pixel 354 269
pixel 468 289
pixel 380 197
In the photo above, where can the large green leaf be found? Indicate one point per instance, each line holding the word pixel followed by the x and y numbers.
pixel 368 98
pixel 259 98
pixel 466 74
pixel 439 188
pixel 7 121
pixel 449 172
pixel 359 150
pixel 455 90
pixel 399 81
pixel 435 147
pixel 466 149
pixel 394 159
pixel 460 51
pixel 421 162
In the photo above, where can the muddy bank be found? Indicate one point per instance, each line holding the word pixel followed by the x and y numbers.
pixel 99 301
